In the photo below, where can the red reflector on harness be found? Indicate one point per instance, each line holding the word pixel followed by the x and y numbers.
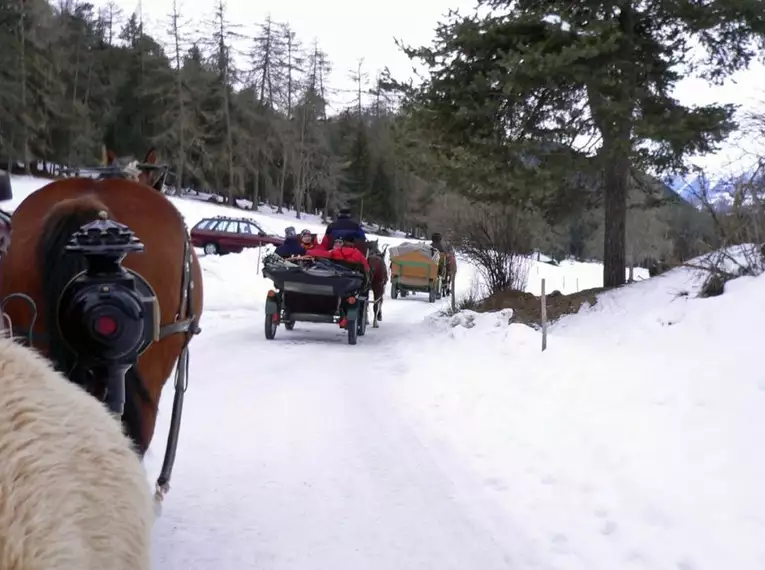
pixel 343 323
pixel 105 325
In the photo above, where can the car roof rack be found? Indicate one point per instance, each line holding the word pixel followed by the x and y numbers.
pixel 232 218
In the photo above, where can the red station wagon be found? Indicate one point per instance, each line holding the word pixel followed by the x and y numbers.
pixel 223 234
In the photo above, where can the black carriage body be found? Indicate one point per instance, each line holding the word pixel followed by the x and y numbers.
pixel 322 279
pixel 318 291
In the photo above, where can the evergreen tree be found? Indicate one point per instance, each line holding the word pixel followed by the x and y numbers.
pixel 535 76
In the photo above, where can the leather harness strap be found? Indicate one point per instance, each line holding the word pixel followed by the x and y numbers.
pixel 185 322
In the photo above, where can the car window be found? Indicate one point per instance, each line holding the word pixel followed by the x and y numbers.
pixel 245 228
pixel 205 224
pixel 256 228
pixel 228 226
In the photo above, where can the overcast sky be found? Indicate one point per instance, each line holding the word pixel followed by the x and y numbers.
pixel 348 30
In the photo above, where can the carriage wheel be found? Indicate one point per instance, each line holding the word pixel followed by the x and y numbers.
pixel 393 291
pixel 271 327
pixel 362 321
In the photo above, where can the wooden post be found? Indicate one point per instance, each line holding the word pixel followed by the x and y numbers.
pixel 259 249
pixel 454 296
pixel 544 317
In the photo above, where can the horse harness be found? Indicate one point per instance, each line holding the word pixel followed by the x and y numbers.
pixel 187 323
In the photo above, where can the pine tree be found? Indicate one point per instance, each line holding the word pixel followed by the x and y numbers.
pixel 539 75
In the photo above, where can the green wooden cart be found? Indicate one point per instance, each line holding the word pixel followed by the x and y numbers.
pixel 414 269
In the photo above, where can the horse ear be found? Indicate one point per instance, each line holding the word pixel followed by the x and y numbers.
pixel 151 157
pixel 160 183
pixel 111 156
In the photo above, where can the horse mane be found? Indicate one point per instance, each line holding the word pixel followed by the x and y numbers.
pixel 57 268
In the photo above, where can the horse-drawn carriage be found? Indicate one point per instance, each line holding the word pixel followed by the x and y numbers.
pixel 416 267
pixel 316 290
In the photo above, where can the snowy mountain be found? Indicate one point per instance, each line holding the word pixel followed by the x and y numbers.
pixel 720 189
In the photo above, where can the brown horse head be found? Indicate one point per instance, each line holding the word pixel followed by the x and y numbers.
pixel 147 172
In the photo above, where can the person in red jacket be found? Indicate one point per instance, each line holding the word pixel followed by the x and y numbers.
pixel 348 252
pixel 344 250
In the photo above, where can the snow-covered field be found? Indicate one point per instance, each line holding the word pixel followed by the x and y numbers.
pixel 454 443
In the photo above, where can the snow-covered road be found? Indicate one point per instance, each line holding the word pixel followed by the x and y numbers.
pixel 294 456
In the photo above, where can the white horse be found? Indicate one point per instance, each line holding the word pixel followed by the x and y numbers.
pixel 73 493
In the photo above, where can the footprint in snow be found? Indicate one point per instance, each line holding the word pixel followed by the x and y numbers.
pixel 608 528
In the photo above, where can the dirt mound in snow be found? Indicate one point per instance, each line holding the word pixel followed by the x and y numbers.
pixel 527 308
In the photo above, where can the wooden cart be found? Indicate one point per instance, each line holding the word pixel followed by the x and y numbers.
pixel 414 268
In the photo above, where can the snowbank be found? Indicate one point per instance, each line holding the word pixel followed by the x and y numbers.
pixel 631 442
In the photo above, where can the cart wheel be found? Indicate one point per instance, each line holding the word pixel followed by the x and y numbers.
pixel 271 327
pixel 289 325
pixel 393 291
pixel 352 334
pixel 362 322
pixel 431 295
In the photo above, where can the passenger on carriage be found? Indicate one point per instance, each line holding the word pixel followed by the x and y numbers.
pixel 436 242
pixel 344 250
pixel 308 240
pixel 341 227
pixel 291 246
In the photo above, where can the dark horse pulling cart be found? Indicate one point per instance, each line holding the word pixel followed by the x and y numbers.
pixel 315 290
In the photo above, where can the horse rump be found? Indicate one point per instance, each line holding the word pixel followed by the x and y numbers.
pixel 57 269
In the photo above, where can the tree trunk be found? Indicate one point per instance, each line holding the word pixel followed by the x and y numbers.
pixel 23 60
pixel 614 250
pixel 181 157
pixel 282 180
pixel 256 189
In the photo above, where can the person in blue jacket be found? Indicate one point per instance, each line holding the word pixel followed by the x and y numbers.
pixel 291 245
pixel 341 227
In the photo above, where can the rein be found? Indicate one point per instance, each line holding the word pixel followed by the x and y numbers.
pixel 185 322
